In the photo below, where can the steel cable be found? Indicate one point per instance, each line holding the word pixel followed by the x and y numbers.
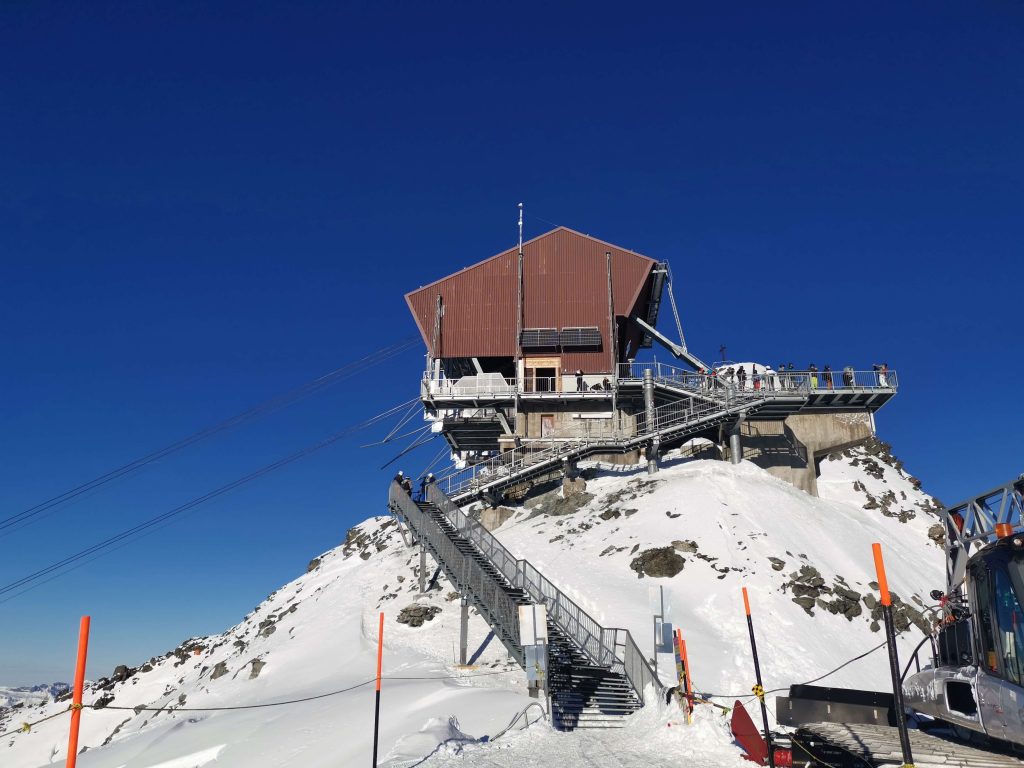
pixel 266 406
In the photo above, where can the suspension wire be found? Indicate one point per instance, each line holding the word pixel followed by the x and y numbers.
pixel 266 406
pixel 26 727
pixel 130 533
pixel 433 462
pixel 416 444
pixel 929 609
pixel 405 419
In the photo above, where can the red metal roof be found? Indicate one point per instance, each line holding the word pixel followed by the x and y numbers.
pixel 565 284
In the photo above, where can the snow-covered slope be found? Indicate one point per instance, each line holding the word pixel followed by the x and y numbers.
pixel 716 527
pixel 30 694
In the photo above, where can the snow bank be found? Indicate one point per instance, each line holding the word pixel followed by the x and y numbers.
pixel 717 527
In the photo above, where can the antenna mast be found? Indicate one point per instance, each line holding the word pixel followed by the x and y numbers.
pixel 520 230
pixel 519 288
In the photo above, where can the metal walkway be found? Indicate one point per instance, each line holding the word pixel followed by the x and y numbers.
pixel 675 420
pixel 696 403
pixel 596 675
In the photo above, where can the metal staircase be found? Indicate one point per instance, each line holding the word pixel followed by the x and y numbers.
pixel 596 675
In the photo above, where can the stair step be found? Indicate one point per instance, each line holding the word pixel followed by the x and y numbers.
pixel 583 694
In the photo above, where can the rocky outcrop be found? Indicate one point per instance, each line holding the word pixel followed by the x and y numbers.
pixel 663 562
pixel 416 615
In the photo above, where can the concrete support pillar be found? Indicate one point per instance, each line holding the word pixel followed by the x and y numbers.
pixel 735 444
pixel 570 468
pixel 653 450
pixel 463 630
pixel 423 569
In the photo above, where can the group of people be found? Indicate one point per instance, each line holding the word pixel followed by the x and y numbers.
pixel 787 377
pixel 581 384
pixel 406 483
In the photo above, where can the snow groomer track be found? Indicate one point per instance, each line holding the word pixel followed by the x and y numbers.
pixel 854 746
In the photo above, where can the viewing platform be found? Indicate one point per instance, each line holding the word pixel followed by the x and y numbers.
pixel 815 392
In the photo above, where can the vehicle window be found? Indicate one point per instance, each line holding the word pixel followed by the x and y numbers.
pixel 1010 621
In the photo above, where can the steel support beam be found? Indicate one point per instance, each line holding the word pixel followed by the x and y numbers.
pixel 423 568
pixel 463 630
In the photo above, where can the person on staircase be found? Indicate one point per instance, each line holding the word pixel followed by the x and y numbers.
pixel 424 484
pixel 827 376
pixel 812 369
pixel 580 384
pixel 407 485
pixel 741 377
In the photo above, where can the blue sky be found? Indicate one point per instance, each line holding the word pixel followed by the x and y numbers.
pixel 205 204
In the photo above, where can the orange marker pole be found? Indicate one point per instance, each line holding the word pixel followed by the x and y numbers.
pixel 76 701
pixel 759 688
pixel 376 711
pixel 894 662
pixel 686 670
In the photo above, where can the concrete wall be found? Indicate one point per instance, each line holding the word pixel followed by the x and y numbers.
pixel 568 422
pixel 791 450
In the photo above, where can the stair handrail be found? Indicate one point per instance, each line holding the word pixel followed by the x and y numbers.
pixel 464 572
pixel 598 642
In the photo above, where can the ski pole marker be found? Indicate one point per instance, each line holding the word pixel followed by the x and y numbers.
pixel 883 584
pixel 376 708
pixel 76 701
pixel 746 601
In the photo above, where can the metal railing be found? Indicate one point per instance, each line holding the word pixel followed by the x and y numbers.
pixel 496 385
pixel 599 643
pixel 670 418
pixel 775 381
pixel 464 572
pixel 485 385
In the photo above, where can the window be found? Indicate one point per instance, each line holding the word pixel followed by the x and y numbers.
pixel 1000 616
pixel 540 374
pixel 1010 620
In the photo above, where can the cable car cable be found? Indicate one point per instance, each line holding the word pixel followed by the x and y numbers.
pixel 141 527
pixel 266 406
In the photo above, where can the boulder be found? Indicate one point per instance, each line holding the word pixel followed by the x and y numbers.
pixel 416 615
pixel 663 562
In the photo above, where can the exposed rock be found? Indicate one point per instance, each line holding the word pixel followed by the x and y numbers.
pixel 219 671
pixel 573 486
pixel 122 673
pixel 416 615
pixel 777 564
pixel 662 562
pixel 557 506
pixel 685 546
pixel 257 666
pixel 313 564
pixel 610 514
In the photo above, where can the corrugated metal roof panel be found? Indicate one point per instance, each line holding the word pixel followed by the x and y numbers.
pixel 565 285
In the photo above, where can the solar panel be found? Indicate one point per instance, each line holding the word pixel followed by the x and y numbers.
pixel 580 337
pixel 543 338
